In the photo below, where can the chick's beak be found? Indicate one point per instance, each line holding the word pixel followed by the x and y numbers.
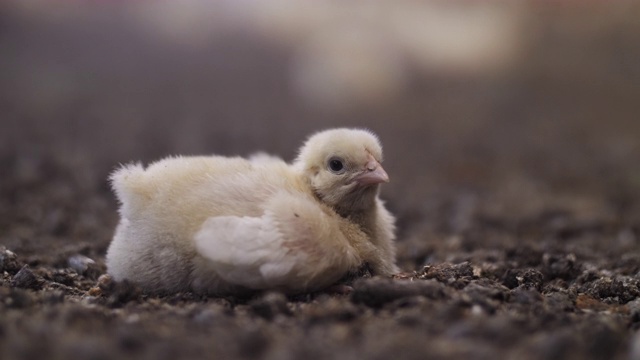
pixel 373 173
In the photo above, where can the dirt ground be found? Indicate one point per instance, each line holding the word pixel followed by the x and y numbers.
pixel 517 192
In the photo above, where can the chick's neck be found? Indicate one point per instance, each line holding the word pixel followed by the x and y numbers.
pixel 360 207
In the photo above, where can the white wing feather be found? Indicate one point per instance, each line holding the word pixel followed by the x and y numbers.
pixel 249 251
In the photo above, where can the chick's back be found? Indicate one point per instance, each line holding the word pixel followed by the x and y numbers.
pixel 164 205
pixel 195 188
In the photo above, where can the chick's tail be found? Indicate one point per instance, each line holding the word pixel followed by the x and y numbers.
pixel 129 185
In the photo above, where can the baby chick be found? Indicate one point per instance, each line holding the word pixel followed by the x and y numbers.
pixel 221 225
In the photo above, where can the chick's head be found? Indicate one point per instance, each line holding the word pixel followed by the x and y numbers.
pixel 343 168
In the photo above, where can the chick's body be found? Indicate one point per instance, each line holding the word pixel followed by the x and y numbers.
pixel 221 225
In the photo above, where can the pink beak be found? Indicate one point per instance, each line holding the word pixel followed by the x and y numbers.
pixel 373 173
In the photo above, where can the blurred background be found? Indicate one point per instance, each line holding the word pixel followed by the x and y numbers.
pixel 492 109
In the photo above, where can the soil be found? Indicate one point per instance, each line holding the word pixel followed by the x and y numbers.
pixel 517 195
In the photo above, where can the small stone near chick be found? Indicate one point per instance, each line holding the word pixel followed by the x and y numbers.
pixel 227 225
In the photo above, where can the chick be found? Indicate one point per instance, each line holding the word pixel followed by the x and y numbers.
pixel 221 225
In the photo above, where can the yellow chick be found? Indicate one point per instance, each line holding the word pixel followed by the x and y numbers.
pixel 221 225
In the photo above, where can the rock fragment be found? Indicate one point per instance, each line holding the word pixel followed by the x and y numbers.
pixel 84 265
pixel 8 261
pixel 26 279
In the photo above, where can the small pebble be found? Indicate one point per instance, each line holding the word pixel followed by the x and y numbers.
pixel 84 266
pixel 95 291
pixel 79 263
pixel 64 276
pixel 8 261
pixel 26 279
pixel 106 283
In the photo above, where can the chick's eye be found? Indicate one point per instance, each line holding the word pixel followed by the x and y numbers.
pixel 336 165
